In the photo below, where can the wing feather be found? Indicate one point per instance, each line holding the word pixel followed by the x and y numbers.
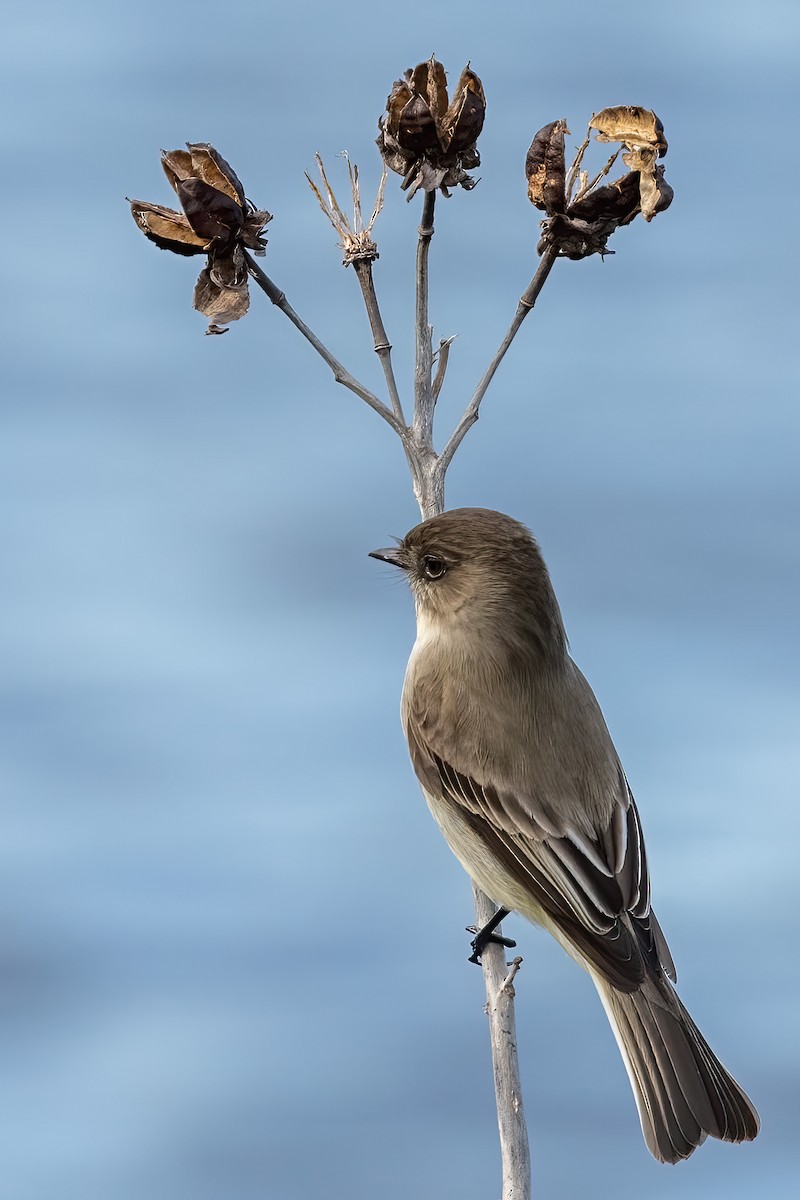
pixel 595 889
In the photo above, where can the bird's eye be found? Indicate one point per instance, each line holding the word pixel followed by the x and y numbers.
pixel 433 566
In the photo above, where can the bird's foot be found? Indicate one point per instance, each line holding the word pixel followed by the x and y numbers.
pixel 486 935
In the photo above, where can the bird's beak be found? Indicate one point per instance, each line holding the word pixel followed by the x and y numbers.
pixel 392 554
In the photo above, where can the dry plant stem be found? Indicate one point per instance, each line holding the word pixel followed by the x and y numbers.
pixel 428 472
pixel 423 393
pixel 526 303
pixel 514 1149
pixel 576 165
pixel 340 373
pixel 599 175
pixel 383 347
pixel 443 354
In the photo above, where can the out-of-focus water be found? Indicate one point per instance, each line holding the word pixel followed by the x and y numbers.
pixel 232 961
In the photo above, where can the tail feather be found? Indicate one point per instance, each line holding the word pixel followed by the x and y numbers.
pixel 738 1117
pixel 682 1091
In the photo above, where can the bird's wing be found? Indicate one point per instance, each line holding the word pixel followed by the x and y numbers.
pixel 595 889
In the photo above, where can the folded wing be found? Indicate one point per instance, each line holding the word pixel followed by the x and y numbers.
pixel 595 889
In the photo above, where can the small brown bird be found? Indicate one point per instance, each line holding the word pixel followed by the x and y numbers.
pixel 519 770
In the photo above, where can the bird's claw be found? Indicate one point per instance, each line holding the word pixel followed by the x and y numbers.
pixel 483 937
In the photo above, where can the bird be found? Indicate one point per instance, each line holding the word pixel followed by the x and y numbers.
pixel 518 768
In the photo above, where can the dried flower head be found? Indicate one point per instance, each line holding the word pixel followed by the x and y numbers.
pixel 581 225
pixel 356 237
pixel 428 139
pixel 217 220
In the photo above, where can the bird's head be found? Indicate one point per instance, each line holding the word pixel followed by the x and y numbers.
pixel 480 571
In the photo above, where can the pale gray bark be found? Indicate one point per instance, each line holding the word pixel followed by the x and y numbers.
pixel 499 976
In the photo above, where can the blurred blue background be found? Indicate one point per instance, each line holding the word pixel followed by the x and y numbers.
pixel 232 961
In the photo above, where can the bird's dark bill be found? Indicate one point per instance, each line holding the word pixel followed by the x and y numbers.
pixel 392 554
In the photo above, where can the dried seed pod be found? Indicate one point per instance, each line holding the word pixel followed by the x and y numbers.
pixel 168 229
pixel 177 165
pixel 209 165
pixel 463 121
pixel 211 213
pixel 573 237
pixel 217 220
pixel 656 194
pixel 632 125
pixel 618 201
pixel 598 210
pixel 545 169
pixel 427 139
pixel 221 292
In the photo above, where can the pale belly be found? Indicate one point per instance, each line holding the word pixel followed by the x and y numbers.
pixel 490 874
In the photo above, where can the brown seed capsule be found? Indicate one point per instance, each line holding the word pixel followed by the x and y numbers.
pixel 617 202
pixel 217 220
pixel 656 194
pixel 463 121
pixel 641 133
pixel 631 125
pixel 599 208
pixel 545 170
pixel 168 229
pixel 221 292
pixel 211 214
pixel 425 137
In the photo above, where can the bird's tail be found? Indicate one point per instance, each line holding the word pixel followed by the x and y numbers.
pixel 682 1091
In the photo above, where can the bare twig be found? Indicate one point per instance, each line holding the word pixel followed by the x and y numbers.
pixel 526 303
pixel 441 356
pixel 340 373
pixel 360 251
pixel 513 967
pixel 383 347
pixel 576 165
pixel 423 400
pixel 600 174
pixel 498 979
pixel 329 204
pixel 358 221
